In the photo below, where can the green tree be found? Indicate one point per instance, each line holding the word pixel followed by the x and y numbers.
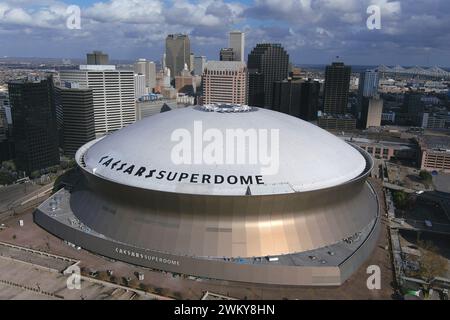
pixel 35 174
pixel 9 165
pixel 64 165
pixel 400 199
pixel 54 169
pixel 72 163
pixel 425 176
pixel 6 178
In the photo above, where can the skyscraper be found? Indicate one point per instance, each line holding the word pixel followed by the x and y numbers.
pixel 414 108
pixel 339 122
pixel 237 43
pixel 191 62
pixel 4 103
pixel 413 103
pixel 337 84
pixel 267 63
pixel 3 124
pixel 297 98
pixel 4 152
pixel 178 53
pixel 6 141
pixel 163 61
pixel 113 91
pixel 225 82
pixel 140 88
pixel 199 65
pixel 368 83
pixel 34 118
pixel 227 54
pixel 147 68
pixel 77 114
pixel 97 58
pixel 372 108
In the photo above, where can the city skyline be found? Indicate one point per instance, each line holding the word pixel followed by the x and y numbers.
pixel 313 32
pixel 224 150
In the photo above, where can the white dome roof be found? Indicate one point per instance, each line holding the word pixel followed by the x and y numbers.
pixel 309 158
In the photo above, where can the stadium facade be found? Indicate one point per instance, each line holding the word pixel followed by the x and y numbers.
pixel 313 221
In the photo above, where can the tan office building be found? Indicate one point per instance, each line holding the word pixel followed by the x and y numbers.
pixel 435 153
pixel 225 82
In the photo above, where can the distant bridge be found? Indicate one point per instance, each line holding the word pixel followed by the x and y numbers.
pixel 434 72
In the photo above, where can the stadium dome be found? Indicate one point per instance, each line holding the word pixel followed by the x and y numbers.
pixel 308 158
pixel 227 192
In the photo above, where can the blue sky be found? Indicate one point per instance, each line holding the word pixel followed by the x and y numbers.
pixel 413 32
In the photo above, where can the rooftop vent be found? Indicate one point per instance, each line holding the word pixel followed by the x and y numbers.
pixel 226 108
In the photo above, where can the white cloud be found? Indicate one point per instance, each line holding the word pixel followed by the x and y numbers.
pixel 126 11
pixel 51 16
pixel 127 25
pixel 389 8
pixel 17 16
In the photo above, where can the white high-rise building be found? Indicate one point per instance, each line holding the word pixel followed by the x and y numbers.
pixel 199 65
pixel 191 60
pixel 113 93
pixel 140 88
pixel 237 43
pixel 368 83
pixel 225 82
pixel 166 78
pixel 147 68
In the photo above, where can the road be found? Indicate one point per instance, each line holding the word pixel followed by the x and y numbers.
pixel 442 182
pixel 21 196
pixel 34 196
pixel 10 194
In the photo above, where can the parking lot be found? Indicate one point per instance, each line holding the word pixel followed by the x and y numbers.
pixel 23 281
pixel 441 182
pixel 10 194
pixel 422 211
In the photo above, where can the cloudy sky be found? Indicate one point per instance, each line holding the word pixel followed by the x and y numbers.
pixel 413 32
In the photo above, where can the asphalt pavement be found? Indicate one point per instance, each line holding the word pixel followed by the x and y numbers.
pixel 10 194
